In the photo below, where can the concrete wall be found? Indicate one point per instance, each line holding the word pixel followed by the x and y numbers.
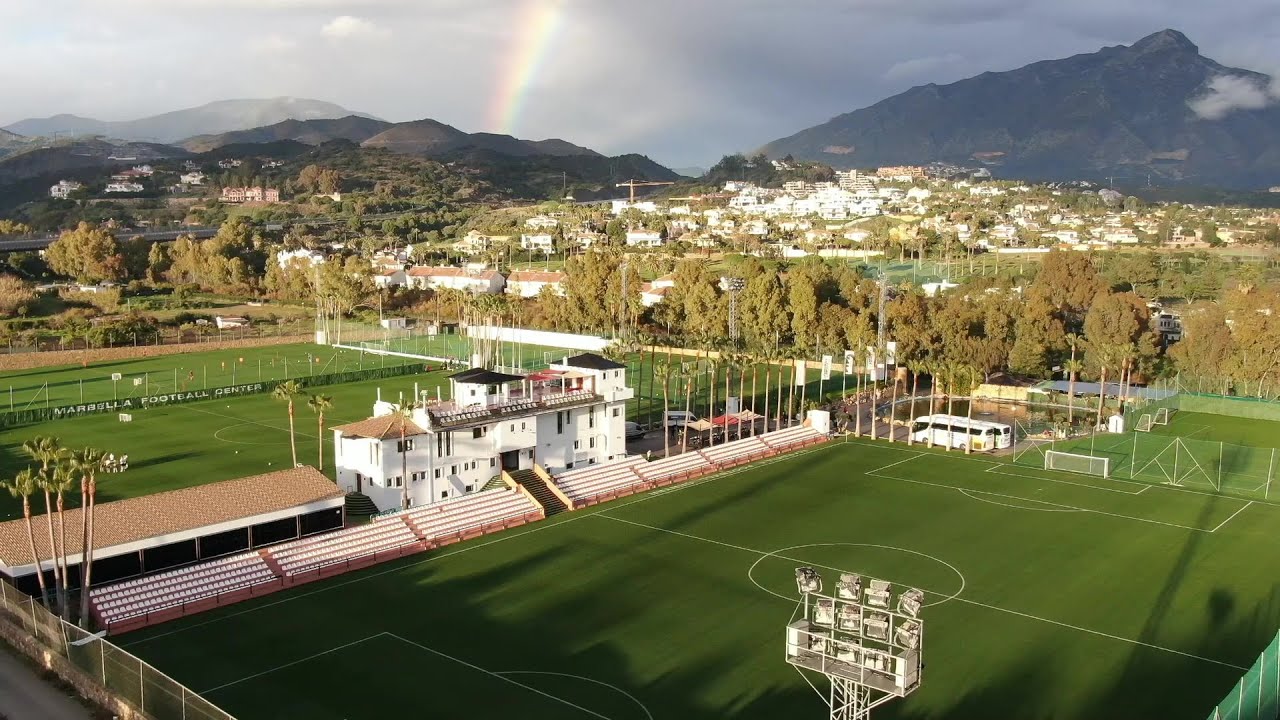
pixel 590 343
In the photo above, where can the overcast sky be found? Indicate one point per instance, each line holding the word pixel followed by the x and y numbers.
pixel 683 81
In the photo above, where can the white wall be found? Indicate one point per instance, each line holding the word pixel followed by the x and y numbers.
pixel 589 343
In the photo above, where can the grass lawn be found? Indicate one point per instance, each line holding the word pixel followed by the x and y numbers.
pixel 1222 428
pixel 177 446
pixel 1049 596
pixel 196 370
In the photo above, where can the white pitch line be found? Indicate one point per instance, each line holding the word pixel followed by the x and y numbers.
pixel 971 494
pixel 996 470
pixel 501 677
pixel 1233 516
pixel 330 651
pixel 956 598
pixel 1069 507
pixel 886 467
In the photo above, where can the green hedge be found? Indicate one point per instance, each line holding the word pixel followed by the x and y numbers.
pixel 130 405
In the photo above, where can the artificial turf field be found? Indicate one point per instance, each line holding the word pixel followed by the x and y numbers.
pixel 1050 596
pixel 177 446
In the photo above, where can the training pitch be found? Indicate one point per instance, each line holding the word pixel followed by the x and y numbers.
pixel 1049 595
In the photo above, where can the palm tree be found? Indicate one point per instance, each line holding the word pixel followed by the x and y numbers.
pixel 404 413
pixel 318 405
pixel 24 485
pixel 714 366
pixel 914 367
pixel 666 371
pixel 286 391
pixel 893 402
pixel 62 479
pixel 767 356
pixel 688 398
pixel 87 462
pixel 973 385
pixel 1073 367
pixel 45 450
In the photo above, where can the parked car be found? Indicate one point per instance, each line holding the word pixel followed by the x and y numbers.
pixel 635 431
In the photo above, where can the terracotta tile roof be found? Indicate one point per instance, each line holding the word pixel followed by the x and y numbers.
pixel 536 276
pixel 381 428
pixel 126 521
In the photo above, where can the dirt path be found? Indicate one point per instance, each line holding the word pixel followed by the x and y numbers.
pixel 24 696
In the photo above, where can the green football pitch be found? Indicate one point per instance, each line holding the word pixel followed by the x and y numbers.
pixel 1049 595
pixel 177 446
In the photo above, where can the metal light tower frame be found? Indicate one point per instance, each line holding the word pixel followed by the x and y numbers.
pixel 865 638
pixel 734 286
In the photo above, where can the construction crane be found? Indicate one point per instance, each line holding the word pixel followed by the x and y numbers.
pixel 633 185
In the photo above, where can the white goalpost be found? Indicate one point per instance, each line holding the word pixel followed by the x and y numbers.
pixel 1145 423
pixel 1162 416
pixel 1076 463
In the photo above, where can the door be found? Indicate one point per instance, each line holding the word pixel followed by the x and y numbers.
pixel 511 460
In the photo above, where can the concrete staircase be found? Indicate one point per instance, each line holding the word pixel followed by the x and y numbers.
pixel 359 506
pixel 530 481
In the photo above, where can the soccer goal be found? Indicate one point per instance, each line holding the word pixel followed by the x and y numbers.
pixel 1072 462
pixel 1162 416
pixel 1145 423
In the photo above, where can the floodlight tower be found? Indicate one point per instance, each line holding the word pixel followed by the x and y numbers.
pixel 869 646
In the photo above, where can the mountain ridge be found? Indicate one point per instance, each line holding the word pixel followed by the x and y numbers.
pixel 1145 108
pixel 216 117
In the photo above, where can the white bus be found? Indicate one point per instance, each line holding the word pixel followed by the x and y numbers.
pixel 957 431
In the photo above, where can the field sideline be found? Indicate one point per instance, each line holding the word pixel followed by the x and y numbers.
pixel 1049 596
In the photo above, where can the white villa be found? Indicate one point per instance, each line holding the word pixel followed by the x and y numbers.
pixel 529 283
pixel 468 279
pixel 570 415
pixel 638 238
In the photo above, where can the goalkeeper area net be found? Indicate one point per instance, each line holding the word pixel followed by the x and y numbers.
pixel 1162 416
pixel 1145 423
pixel 1075 463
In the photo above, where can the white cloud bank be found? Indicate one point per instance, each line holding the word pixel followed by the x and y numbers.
pixel 1229 93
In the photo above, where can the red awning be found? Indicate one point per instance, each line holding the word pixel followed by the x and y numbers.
pixel 725 420
pixel 544 375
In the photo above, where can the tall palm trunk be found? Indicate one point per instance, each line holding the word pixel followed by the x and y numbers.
pixel 88 551
pixel 31 540
pixel 857 404
pixel 727 375
pixel 53 548
pixel 1071 389
pixel 666 409
pixel 293 442
pixel 1102 397
pixel 768 375
pixel 755 369
pixel 791 394
pixel 711 403
pixel 893 403
pixel 968 446
pixel 84 548
pixel 688 398
pixel 915 390
pixel 951 396
pixel 62 555
pixel 320 423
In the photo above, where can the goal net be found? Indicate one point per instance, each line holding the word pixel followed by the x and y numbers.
pixel 1072 462
pixel 1145 423
pixel 1162 416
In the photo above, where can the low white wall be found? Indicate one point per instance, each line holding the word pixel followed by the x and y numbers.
pixel 589 343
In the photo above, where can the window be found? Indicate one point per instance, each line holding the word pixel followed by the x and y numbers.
pixel 477 433
pixel 493 462
pixel 524 426
pixel 591 443
pixel 616 411
pixel 439 444
pixel 559 423
pixel 437 473
pixel 399 481
pixel 591 417
pixel 444 494
pixel 404 445
pixel 513 427
pixel 453 469
pixel 576 444
pixel 470 488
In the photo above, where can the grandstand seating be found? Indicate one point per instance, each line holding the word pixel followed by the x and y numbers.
pixel 671 468
pixel 735 452
pixel 446 521
pixel 595 480
pixel 321 550
pixel 113 603
pixel 791 437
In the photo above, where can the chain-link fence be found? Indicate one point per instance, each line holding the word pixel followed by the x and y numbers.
pixel 124 675
pixel 1257 695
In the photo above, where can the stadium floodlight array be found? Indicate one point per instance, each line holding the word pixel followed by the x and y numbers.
pixel 1077 463
pixel 866 639
pixel 808 580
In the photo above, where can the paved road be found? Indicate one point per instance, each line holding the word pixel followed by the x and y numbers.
pixel 24 696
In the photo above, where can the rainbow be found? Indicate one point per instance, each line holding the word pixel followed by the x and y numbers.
pixel 537 26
